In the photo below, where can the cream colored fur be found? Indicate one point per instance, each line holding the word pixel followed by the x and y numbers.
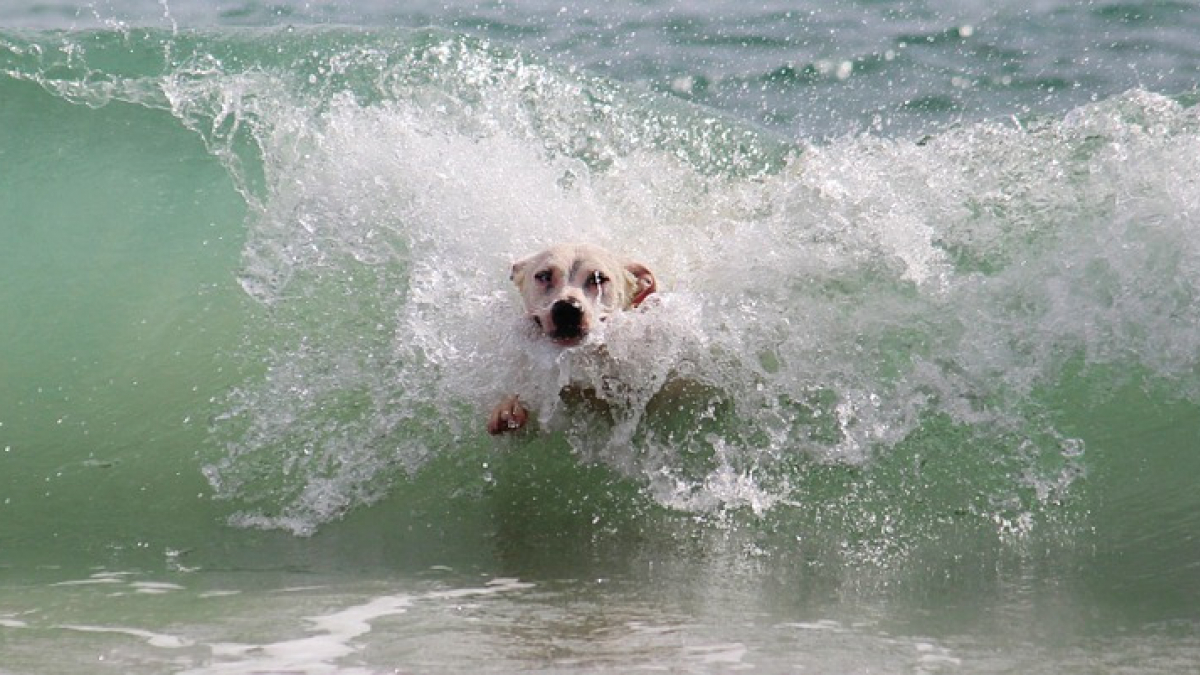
pixel 567 290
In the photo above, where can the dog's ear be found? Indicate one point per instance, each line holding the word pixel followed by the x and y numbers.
pixel 643 283
pixel 517 275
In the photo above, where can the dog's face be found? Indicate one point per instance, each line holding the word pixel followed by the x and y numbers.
pixel 567 289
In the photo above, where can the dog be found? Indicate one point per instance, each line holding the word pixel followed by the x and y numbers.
pixel 567 290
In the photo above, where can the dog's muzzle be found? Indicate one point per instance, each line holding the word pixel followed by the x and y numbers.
pixel 567 316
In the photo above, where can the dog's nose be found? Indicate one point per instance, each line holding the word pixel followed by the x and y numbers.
pixel 568 318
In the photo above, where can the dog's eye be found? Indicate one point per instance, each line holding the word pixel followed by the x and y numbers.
pixel 544 276
pixel 597 279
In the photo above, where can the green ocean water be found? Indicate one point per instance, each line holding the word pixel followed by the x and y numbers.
pixel 255 308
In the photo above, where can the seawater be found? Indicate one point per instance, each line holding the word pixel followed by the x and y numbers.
pixel 929 275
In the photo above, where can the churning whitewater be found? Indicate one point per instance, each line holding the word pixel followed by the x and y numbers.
pixel 831 299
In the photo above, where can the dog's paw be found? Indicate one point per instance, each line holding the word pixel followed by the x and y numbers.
pixel 510 415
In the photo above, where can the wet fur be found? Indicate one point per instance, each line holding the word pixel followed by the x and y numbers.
pixel 567 290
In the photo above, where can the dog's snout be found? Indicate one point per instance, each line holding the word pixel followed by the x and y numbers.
pixel 567 316
pixel 567 312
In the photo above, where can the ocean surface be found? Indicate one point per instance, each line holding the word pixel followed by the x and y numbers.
pixel 919 391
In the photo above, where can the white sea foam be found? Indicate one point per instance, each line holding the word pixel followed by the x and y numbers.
pixel 334 636
pixel 834 303
pixel 152 638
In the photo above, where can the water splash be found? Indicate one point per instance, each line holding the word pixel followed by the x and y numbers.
pixel 825 307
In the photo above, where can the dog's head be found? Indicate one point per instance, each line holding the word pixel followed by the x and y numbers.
pixel 568 288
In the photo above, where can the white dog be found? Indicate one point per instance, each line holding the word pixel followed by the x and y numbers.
pixel 567 290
